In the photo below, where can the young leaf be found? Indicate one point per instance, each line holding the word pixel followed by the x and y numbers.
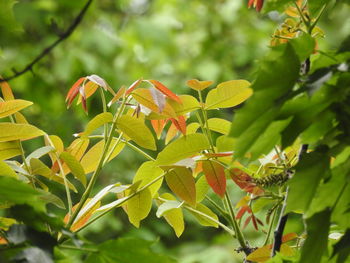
pixel 158 126
pixel 198 85
pixel 6 170
pixel 180 180
pixel 12 106
pixel 6 91
pixel 19 117
pixel 133 86
pixel 204 220
pixel 75 167
pixel 147 172
pixel 165 90
pixel 136 129
pixel 215 175
pixel 9 150
pixel 228 94
pixel 182 148
pixel 14 131
pixel 97 122
pixel 78 147
pixel 219 125
pixel 192 128
pixel 171 133
pixel 189 104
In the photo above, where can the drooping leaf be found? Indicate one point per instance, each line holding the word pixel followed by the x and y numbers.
pixel 215 175
pixel 6 170
pixel 9 150
pixel 228 94
pixel 97 122
pixel 75 167
pixel 147 172
pixel 182 148
pixel 204 213
pixel 181 181
pixel 219 125
pixel 137 131
pixel 14 131
pixel 12 106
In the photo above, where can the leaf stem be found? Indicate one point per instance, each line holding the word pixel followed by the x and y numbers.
pixel 84 249
pixel 104 106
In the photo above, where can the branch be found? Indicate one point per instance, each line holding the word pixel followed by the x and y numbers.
pixel 48 49
pixel 283 218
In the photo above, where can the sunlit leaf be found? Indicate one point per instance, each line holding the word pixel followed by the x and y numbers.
pixel 219 125
pixel 189 104
pixel 97 122
pixel 215 175
pixel 158 85
pixel 133 86
pixel 181 181
pixel 192 128
pixel 9 150
pixel 168 206
pixel 6 170
pixel 14 131
pixel 171 133
pixel 158 98
pixel 6 91
pixel 40 152
pixel 198 85
pixel 147 172
pixel 158 126
pixel 228 94
pixel 202 188
pixel 262 254
pixel 118 95
pixel 12 106
pixel 203 219
pixel 19 117
pixel 75 167
pixel 78 147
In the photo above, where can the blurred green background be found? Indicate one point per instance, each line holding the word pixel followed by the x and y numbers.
pixel 171 41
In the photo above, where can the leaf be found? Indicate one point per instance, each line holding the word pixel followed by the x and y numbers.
pixel 139 206
pixel 167 207
pixel 98 80
pixel 75 167
pixel 198 85
pixel 158 98
pixel 262 254
pixel 158 126
pixel 171 133
pixel 219 125
pixel 228 94
pixel 78 147
pixel 158 85
pixel 133 86
pixel 309 172
pixel 97 122
pixel 192 128
pixel 215 175
pixel 12 106
pixel 6 170
pixel 19 117
pixel 91 158
pixel 6 90
pixel 121 92
pixel 189 104
pixel 182 148
pixel 180 180
pixel 147 172
pixel 315 245
pixel 203 220
pixel 202 188
pixel 14 131
pixel 315 6
pixel 9 150
pixel 342 247
pixel 174 216
pixel 136 129
pixel 40 152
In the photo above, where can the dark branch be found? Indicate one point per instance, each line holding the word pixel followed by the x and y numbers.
pixel 48 49
pixel 277 242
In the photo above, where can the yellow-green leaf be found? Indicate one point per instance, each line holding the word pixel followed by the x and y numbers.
pixel 147 172
pixel 78 147
pixel 192 128
pixel 9 150
pixel 189 104
pixel 219 125
pixel 174 217
pixel 75 167
pixel 12 106
pixel 228 94
pixel 202 188
pixel 204 214
pixel 14 131
pixel 182 148
pixel 181 181
pixel 97 122
pixel 6 222
pixel 40 152
pixel 261 254
pixel 199 85
pixel 91 158
pixel 136 130
pixel 5 170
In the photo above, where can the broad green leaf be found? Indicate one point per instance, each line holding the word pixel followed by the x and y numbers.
pixel 174 216
pixel 91 158
pixel 317 228
pixel 202 188
pixel 303 45
pixel 137 131
pixel 189 104
pixel 309 172
pixel 75 167
pixel 6 170
pixel 14 131
pixel 215 174
pixel 224 143
pixel 127 250
pixel 12 106
pixel 228 94
pixel 9 150
pixel 192 128
pixel 147 172
pixel 181 181
pixel 167 206
pixel 97 122
pixel 204 213
pixel 182 148
pixel 219 125
pixel 40 152
pixel 139 206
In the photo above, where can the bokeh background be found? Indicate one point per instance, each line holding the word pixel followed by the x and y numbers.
pixel 171 41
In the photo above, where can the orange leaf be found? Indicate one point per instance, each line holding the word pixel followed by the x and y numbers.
pixel 73 92
pixel 165 90
pixel 6 91
pixel 133 86
pixel 158 126
pixel 242 211
pixel 289 237
pixel 221 154
pixel 118 95
pixel 172 131
pixel 245 181
pixel 198 85
pixel 215 175
pixel 180 124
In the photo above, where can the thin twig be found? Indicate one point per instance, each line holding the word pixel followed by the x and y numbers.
pixel 48 49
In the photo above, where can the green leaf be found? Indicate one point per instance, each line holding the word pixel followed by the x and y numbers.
pixel 228 94
pixel 14 131
pixel 139 206
pixel 303 46
pixel 6 170
pixel 9 150
pixel 168 206
pixel 126 250
pixel 97 122
pixel 147 172
pixel 342 248
pixel 189 104
pixel 204 213
pixel 309 172
pixel 224 143
pixel 174 216
pixel 182 148
pixel 136 129
pixel 192 128
pixel 8 23
pixel 315 6
pixel 180 180
pixel 202 188
pixel 75 167
pixel 215 174
pixel 219 125
pixel 12 106
pixel 315 245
